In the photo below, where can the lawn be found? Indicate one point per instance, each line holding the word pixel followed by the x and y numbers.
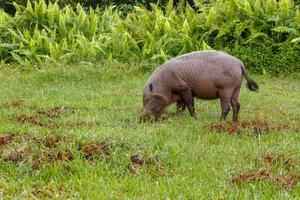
pixel 73 132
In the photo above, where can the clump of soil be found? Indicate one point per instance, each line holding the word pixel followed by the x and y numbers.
pixel 79 124
pixel 26 151
pixel 251 176
pixel 136 164
pixel 286 178
pixel 13 156
pixel 138 161
pixel 43 159
pixel 30 120
pixel 95 148
pixel 257 126
pixel 272 158
pixel 6 139
pixel 55 112
pixel 65 155
pixel 36 119
pixel 52 141
pixel 288 181
pixel 14 104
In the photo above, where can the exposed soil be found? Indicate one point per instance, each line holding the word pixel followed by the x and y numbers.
pixel 138 161
pixel 13 104
pixel 251 176
pixel 38 119
pixel 26 151
pixel 13 156
pixel 258 127
pixel 55 112
pixel 6 139
pixel 95 148
pixel 65 155
pixel 52 141
pixel 272 158
pixel 80 124
pixel 135 169
pixel 288 181
pixel 287 178
pixel 30 120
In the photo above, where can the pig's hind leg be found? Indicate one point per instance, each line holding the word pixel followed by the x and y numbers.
pixel 234 101
pixel 225 96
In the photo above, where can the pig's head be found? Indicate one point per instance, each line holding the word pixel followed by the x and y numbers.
pixel 153 103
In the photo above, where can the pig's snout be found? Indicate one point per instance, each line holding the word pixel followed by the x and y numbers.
pixel 145 115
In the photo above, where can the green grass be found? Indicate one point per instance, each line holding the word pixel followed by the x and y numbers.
pixel 188 161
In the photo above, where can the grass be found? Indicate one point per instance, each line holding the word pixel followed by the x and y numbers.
pixel 75 108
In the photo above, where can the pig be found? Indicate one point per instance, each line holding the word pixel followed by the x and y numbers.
pixel 205 74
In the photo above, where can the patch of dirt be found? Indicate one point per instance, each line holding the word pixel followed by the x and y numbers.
pixel 42 159
pixel 258 127
pixel 55 112
pixel 138 161
pixel 136 164
pixel 52 141
pixel 135 169
pixel 80 124
pixel 288 181
pixel 287 177
pixel 30 120
pixel 13 156
pixel 26 151
pixel 251 176
pixel 65 155
pixel 39 193
pixel 37 119
pixel 95 148
pixel 272 158
pixel 6 139
pixel 14 104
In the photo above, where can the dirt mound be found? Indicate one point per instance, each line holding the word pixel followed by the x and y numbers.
pixel 287 177
pixel 30 120
pixel 52 141
pixel 96 148
pixel 13 156
pixel 65 155
pixel 138 161
pixel 251 176
pixel 288 181
pixel 6 139
pixel 13 104
pixel 56 111
pixel 38 118
pixel 258 127
pixel 272 158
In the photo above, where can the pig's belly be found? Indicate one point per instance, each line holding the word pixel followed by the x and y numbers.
pixel 205 90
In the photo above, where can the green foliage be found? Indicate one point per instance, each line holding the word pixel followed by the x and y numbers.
pixel 41 31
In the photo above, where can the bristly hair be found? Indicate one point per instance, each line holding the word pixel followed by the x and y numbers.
pixel 252 85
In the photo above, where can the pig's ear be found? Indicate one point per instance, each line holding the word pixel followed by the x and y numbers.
pixel 163 99
pixel 151 87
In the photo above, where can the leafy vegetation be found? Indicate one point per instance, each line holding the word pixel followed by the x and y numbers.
pixel 72 132
pixel 265 29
